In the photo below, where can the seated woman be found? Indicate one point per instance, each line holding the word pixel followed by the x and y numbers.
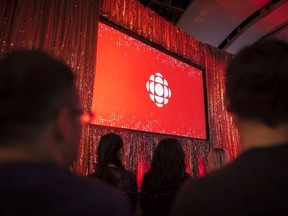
pixel 164 178
pixel 109 167
pixel 217 159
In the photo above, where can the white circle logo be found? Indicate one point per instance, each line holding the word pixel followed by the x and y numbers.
pixel 158 88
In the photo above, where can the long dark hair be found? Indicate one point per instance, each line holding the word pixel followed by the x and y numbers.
pixel 108 151
pixel 168 165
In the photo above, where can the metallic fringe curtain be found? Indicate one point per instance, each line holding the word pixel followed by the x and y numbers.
pixel 221 127
pixel 65 29
pixel 132 15
pixel 68 30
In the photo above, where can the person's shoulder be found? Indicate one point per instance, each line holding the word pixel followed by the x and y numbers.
pixel 99 197
pixel 90 196
pixel 203 185
pixel 147 176
pixel 195 193
pixel 129 174
pixel 125 174
pixel 55 190
pixel 150 179
pixel 186 175
pixel 93 175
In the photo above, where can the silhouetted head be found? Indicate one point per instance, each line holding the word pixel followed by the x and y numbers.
pixel 257 83
pixel 217 159
pixel 168 155
pixel 39 112
pixel 109 150
pixel 168 165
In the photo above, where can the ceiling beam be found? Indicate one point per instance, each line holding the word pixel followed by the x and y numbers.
pixel 259 14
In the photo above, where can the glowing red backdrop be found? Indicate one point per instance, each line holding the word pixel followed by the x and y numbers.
pixel 68 30
pixel 141 88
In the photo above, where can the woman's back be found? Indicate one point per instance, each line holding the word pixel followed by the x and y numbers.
pixel 109 167
pixel 157 198
pixel 166 175
pixel 118 177
pixel 153 184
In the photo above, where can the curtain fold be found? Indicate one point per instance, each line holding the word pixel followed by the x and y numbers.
pixel 223 132
pixel 65 29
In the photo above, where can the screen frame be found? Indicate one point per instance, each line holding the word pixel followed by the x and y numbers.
pixel 167 52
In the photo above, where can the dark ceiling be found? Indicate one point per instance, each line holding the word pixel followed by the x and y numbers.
pixel 171 10
pixel 226 24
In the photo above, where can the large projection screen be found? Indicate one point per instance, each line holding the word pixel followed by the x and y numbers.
pixel 139 87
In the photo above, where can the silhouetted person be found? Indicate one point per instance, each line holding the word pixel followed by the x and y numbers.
pixel 256 182
pixel 39 137
pixel 109 167
pixel 164 178
pixel 217 159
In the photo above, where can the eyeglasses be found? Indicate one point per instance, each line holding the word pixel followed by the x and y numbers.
pixel 85 117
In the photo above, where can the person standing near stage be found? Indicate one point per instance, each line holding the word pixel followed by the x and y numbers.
pixel 255 183
pixel 218 158
pixel 110 169
pixel 164 178
pixel 40 132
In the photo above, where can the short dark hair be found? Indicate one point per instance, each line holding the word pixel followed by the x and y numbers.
pixel 32 85
pixel 257 83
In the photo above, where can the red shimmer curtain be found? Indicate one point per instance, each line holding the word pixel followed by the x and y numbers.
pixel 66 29
pixel 222 129
pixel 139 147
pixel 132 15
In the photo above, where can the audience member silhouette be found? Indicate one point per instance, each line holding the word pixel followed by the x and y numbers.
pixel 164 178
pixel 217 159
pixel 40 132
pixel 109 167
pixel 256 182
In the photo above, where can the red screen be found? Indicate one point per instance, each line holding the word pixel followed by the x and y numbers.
pixel 141 88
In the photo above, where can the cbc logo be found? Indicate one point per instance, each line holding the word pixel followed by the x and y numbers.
pixel 158 88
